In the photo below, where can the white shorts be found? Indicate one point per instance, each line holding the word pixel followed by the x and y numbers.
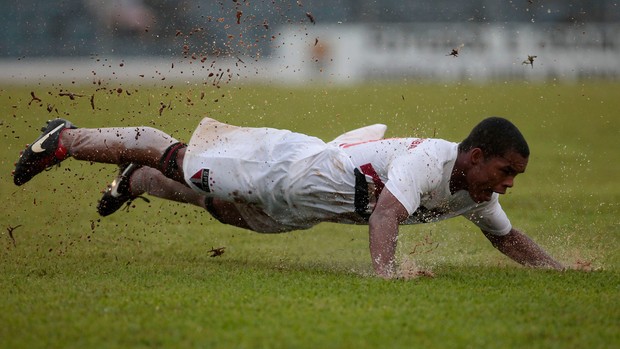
pixel 280 180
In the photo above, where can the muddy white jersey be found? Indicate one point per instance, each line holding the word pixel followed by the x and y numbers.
pixel 417 172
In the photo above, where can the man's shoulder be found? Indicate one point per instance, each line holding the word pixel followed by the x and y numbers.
pixel 426 156
pixel 434 149
pixel 441 144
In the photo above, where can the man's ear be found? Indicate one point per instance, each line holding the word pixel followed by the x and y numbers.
pixel 476 156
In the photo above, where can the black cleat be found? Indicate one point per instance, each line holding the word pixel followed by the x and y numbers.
pixel 118 192
pixel 45 152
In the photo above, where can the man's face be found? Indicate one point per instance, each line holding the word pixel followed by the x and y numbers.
pixel 494 174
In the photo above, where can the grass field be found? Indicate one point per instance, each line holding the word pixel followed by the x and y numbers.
pixel 145 279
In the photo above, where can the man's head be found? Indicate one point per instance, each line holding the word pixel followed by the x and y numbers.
pixel 495 136
pixel 492 155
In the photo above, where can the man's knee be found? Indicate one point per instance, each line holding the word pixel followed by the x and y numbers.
pixel 171 162
pixel 225 212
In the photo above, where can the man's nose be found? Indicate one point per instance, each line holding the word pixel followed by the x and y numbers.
pixel 509 181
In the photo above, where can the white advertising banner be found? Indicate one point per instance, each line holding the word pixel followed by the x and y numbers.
pixel 466 51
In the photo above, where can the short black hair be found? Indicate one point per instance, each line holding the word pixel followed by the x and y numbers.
pixel 496 136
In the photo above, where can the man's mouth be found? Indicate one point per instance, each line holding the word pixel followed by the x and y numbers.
pixel 500 192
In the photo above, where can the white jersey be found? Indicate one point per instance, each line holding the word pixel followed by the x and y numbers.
pixel 417 172
pixel 282 180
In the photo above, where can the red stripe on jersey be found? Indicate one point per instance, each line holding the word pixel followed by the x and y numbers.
pixel 347 145
pixel 368 170
pixel 416 142
pixel 413 144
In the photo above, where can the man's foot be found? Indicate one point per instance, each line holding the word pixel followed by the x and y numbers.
pixel 45 152
pixel 118 192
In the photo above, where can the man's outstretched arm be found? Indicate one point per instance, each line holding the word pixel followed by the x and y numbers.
pixel 520 248
pixel 383 233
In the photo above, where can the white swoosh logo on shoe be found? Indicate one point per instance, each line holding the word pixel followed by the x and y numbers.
pixel 37 146
pixel 114 188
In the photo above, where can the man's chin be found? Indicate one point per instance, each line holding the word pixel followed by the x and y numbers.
pixel 481 197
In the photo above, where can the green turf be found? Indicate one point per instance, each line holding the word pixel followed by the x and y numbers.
pixel 144 278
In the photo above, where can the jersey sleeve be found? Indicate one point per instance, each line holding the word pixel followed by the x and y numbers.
pixel 490 217
pixel 409 177
pixel 403 194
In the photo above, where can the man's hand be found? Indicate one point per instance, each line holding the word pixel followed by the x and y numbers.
pixel 582 265
pixel 520 248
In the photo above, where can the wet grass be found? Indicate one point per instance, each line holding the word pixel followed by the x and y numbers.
pixel 145 279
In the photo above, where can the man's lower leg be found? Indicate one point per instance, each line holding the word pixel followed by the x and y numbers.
pixel 141 145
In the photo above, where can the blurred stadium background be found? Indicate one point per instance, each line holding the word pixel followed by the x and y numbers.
pixel 324 41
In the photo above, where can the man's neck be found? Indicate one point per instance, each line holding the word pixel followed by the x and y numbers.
pixel 457 177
